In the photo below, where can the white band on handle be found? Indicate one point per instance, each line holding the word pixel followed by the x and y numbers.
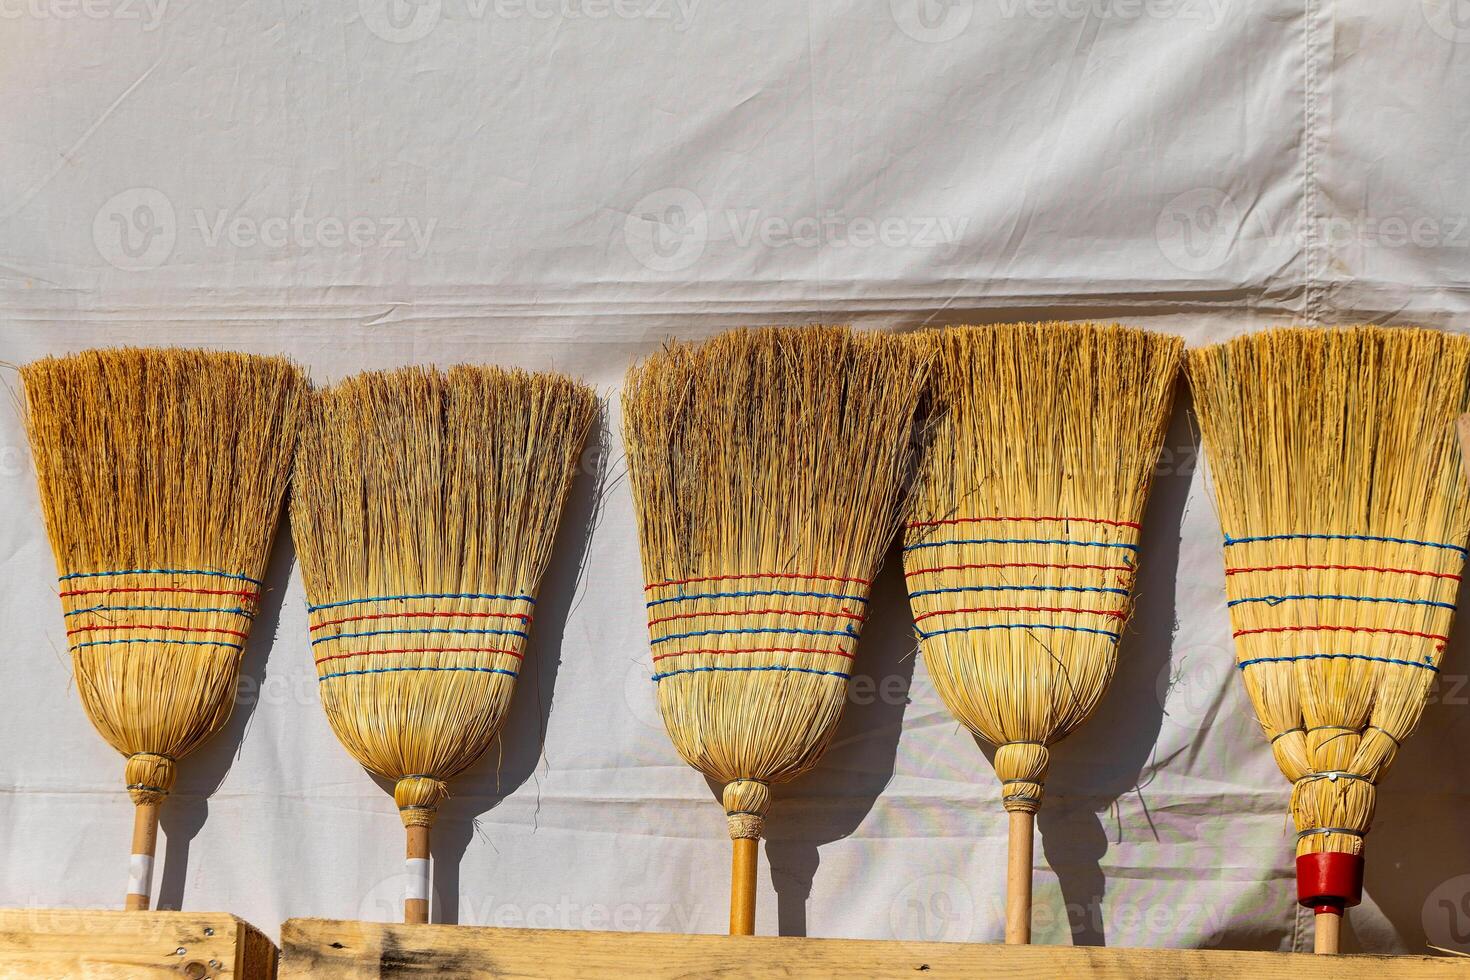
pixel 418 878
pixel 140 874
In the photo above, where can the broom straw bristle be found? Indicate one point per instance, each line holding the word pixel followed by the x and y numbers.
pixel 1334 463
pixel 161 476
pixel 768 468
pixel 425 505
pixel 1022 547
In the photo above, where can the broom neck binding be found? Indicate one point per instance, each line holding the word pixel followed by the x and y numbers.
pixel 149 777
pixel 746 802
pixel 418 797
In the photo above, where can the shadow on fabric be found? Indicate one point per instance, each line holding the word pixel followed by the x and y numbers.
pixel 1107 756
pixel 201 772
pixel 514 755
pixel 830 802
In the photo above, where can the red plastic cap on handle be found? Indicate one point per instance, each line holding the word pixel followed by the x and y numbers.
pixel 1330 881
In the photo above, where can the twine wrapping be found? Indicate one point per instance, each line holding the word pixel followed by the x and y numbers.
pixel 1344 625
pixel 377 650
pixel 187 627
pixel 1050 604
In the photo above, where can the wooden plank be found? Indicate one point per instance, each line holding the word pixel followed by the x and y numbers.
pixel 43 944
pixel 327 950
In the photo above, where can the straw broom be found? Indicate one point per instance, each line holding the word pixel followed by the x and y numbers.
pixel 424 508
pixel 1022 548
pixel 768 468
pixel 1345 514
pixel 161 474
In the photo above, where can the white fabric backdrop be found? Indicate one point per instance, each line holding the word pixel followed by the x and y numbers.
pixel 565 183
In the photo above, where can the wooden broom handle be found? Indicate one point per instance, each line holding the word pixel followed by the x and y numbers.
pixel 416 900
pixel 742 886
pixel 140 862
pixel 1327 933
pixel 1018 878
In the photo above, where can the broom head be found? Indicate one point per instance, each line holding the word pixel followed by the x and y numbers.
pixel 1022 548
pixel 424 508
pixel 161 475
pixel 1334 462
pixel 768 468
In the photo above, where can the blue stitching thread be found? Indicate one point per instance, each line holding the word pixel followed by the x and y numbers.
pixel 237 611
pixel 163 571
pixel 186 643
pixel 1345 537
pixel 1080 544
pixel 348 636
pixel 746 595
pixel 390 670
pixel 1018 588
pixel 1019 626
pixel 1336 656
pixel 430 595
pixel 794 670
pixel 850 634
pixel 1276 600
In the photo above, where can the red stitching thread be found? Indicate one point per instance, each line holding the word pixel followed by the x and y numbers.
pixel 1110 613
pixel 1020 564
pixel 686 653
pixel 374 653
pixel 150 626
pixel 1340 629
pixel 247 594
pixel 421 615
pixel 1341 568
pixel 726 578
pixel 985 520
pixel 761 612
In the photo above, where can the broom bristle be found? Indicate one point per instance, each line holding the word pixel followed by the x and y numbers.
pixel 768 468
pixel 161 475
pixel 1334 462
pixel 424 508
pixel 1021 551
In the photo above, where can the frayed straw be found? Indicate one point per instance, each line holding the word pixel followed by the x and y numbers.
pixel 1334 462
pixel 161 475
pixel 424 508
pixel 768 468
pixel 1022 547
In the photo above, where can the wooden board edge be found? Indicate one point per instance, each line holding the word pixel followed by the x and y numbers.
pixel 326 949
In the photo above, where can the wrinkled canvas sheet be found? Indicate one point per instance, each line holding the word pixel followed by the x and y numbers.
pixel 564 184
